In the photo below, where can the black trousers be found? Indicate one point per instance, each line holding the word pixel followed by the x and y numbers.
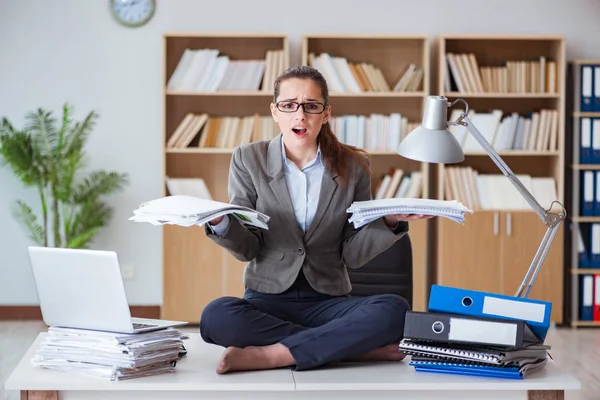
pixel 316 328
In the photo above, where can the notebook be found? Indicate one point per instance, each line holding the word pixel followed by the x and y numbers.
pixel 510 372
pixel 484 355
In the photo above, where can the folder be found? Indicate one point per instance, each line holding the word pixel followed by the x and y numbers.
pixel 587 86
pixel 446 299
pixel 596 297
pixel 586 305
pixel 587 198
pixel 597 197
pixel 596 97
pixel 508 372
pixel 585 143
pixel 595 245
pixel 582 250
pixel 595 140
pixel 462 329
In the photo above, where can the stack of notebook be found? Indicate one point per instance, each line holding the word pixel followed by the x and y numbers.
pixel 110 356
pixel 469 341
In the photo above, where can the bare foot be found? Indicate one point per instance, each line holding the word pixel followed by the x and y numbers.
pixel 253 358
pixel 386 353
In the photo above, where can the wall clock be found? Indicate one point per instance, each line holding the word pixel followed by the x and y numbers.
pixel 132 13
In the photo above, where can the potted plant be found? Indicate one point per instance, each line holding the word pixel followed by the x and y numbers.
pixel 50 157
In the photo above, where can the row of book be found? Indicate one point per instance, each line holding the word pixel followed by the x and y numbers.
pixel 465 75
pixel 589 299
pixel 202 131
pixel 494 191
pixel 344 76
pixel 478 340
pixel 588 245
pixel 110 356
pixel 204 70
pixel 399 184
pixel 536 132
pixel 590 193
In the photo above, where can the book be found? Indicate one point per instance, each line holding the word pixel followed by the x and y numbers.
pixel 364 212
pixel 184 210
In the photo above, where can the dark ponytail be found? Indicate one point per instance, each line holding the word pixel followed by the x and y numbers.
pixel 337 155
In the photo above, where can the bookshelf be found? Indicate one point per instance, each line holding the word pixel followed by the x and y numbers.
pixel 515 87
pixel 195 270
pixel 371 104
pixel 583 277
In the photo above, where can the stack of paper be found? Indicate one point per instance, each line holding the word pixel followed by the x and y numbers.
pixel 108 355
pixel 364 212
pixel 186 211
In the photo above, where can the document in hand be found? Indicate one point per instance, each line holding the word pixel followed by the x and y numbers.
pixel 364 212
pixel 186 211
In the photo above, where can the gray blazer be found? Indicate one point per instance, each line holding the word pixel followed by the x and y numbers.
pixel 275 256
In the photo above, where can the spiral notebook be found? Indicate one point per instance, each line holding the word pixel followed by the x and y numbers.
pixel 483 355
pixel 507 371
pixel 364 212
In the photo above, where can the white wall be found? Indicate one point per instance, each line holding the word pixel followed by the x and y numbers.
pixel 72 50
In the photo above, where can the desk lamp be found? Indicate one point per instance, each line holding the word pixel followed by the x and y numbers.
pixel 432 142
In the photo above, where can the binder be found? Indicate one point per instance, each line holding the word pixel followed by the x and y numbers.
pixel 596 97
pixel 587 198
pixel 476 331
pixel 596 311
pixel 595 245
pixel 597 197
pixel 595 139
pixel 587 86
pixel 583 253
pixel 508 372
pixel 585 142
pixel 446 299
pixel 586 304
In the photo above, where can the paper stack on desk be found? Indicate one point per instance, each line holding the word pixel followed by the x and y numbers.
pixel 110 356
pixel 364 212
pixel 187 211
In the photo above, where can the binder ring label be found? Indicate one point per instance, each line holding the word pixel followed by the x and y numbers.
pixel 467 301
pixel 437 327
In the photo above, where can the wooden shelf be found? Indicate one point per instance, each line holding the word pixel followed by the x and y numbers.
pixel 585 219
pixel 585 323
pixel 504 241
pixel 220 93
pixel 585 271
pixel 581 114
pixel 586 166
pixel 453 95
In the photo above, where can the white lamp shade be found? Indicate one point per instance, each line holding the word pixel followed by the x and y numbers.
pixel 432 142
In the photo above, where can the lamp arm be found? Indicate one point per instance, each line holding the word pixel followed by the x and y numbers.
pixel 552 221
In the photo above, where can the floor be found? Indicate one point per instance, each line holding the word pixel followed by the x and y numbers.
pixel 578 351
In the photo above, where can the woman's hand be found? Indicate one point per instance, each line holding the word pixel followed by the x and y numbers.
pixel 392 219
pixel 216 221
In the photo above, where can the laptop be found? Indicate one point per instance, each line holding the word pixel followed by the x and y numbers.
pixel 83 289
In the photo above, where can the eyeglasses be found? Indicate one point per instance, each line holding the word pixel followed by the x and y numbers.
pixel 292 106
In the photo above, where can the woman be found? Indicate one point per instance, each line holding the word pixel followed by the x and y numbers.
pixel 296 310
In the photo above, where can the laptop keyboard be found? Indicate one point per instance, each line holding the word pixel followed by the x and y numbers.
pixel 141 326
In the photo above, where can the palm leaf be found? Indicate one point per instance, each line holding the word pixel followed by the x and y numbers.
pixel 25 215
pixel 17 150
pixel 92 216
pixel 98 183
pixel 41 124
pixel 77 137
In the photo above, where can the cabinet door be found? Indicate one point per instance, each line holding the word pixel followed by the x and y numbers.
pixel 522 234
pixel 469 254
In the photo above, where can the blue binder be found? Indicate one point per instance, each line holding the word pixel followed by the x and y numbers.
pixel 588 190
pixel 467 369
pixel 536 313
pixel 587 88
pixel 586 301
pixel 585 141
pixel 596 95
pixel 597 195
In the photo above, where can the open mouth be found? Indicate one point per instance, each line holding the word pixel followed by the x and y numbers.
pixel 299 131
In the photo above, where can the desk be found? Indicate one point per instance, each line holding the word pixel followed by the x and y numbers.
pixel 196 379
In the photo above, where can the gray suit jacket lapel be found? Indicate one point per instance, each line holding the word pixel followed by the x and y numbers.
pixel 279 186
pixel 328 188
